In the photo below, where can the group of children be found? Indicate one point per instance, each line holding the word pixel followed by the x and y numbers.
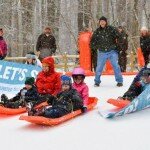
pixel 61 94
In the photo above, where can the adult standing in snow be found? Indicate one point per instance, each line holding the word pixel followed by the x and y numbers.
pixel 145 43
pixel 104 40
pixel 3 45
pixel 46 44
pixel 122 47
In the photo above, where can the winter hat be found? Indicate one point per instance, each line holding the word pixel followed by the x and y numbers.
pixel 103 18
pixel 148 65
pixel 31 55
pixel 66 80
pixel 120 27
pixel 29 80
pixel 146 72
pixel 144 28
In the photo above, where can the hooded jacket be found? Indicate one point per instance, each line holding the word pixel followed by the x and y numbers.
pixel 83 90
pixel 3 47
pixel 48 82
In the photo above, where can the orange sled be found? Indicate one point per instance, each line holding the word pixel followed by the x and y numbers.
pixel 118 103
pixel 11 111
pixel 50 122
pixel 15 111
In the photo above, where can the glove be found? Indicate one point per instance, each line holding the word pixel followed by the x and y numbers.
pixel 84 109
pixel 138 84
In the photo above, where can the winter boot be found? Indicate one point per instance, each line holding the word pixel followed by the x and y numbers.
pixel 1 103
pixel 29 106
pixel 96 85
pixel 119 84
pixel 4 98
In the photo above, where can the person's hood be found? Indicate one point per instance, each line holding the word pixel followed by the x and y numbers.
pixel 49 61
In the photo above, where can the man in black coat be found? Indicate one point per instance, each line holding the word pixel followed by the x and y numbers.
pixel 46 44
pixel 122 47
pixel 104 40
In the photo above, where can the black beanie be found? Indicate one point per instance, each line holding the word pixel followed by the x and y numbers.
pixel 29 80
pixel 103 18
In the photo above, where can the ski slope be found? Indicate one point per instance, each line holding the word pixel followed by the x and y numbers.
pixel 87 132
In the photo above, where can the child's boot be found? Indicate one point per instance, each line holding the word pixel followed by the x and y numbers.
pixel 4 98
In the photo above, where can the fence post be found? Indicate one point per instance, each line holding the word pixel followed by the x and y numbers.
pixel 65 61
pixel 132 59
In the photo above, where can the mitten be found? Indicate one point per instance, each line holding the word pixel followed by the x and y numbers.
pixel 84 109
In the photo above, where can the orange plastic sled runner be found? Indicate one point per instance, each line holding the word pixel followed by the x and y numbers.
pixel 47 121
pixel 11 111
pixel 15 111
pixel 118 103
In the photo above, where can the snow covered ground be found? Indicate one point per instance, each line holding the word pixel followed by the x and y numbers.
pixel 86 132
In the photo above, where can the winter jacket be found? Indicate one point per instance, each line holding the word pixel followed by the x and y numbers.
pixel 104 39
pixel 145 46
pixel 138 76
pixel 145 43
pixel 67 100
pixel 48 82
pixel 83 91
pixel 27 95
pixel 136 86
pixel 46 45
pixel 3 48
pixel 122 42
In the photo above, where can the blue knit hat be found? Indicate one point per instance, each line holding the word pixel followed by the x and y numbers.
pixel 66 80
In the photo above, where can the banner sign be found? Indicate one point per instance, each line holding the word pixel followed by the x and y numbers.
pixel 12 73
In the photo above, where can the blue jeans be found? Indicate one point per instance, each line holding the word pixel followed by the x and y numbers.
pixel 101 60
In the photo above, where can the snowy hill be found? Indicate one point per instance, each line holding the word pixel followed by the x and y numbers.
pixel 86 132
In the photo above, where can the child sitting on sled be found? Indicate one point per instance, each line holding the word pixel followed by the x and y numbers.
pixel 27 94
pixel 78 75
pixel 65 102
pixel 135 90
pixel 138 86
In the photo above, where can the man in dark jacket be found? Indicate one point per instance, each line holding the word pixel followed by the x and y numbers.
pixel 122 47
pixel 46 44
pixel 104 40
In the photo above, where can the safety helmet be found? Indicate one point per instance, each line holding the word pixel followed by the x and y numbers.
pixel 78 71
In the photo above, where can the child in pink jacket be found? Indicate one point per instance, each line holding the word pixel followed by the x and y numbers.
pixel 78 75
